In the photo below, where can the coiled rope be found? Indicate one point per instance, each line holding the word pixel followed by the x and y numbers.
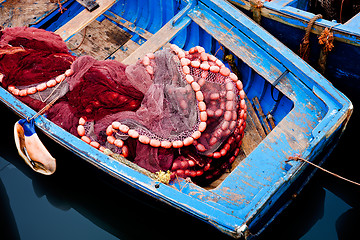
pixel 326 40
pixel 255 8
pixel 297 158
pixel 304 46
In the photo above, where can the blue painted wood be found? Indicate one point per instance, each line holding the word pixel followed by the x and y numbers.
pixel 286 20
pixel 309 117
pixel 73 8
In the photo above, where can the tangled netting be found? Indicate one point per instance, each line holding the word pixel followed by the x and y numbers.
pixel 339 10
pixel 182 111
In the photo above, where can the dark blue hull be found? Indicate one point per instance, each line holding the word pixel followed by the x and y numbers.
pixel 287 21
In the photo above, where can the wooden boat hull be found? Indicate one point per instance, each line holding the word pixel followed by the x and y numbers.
pixel 309 113
pixel 288 20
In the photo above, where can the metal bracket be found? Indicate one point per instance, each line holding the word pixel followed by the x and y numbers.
pixel 280 77
pixel 90 5
pixel 276 83
pixel 184 11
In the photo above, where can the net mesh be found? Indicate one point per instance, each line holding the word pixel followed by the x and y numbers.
pixel 172 110
pixel 338 10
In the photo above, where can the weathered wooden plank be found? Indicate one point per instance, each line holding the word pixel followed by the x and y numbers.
pixel 217 182
pixel 254 117
pixel 354 23
pixel 129 25
pixel 254 132
pixel 83 19
pixel 264 122
pixel 15 13
pixel 271 120
pixel 157 41
pixel 125 50
pixel 98 39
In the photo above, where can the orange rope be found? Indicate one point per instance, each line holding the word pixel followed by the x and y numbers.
pixel 257 4
pixel 341 9
pixel 62 9
pixel 255 8
pixel 297 158
pixel 326 39
pixel 82 41
pixel 304 46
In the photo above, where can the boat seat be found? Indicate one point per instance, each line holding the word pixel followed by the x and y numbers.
pixel 83 19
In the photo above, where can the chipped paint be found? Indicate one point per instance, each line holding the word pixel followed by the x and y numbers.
pixel 250 190
pixel 298 18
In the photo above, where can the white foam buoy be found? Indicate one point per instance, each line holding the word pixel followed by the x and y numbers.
pixel 31 149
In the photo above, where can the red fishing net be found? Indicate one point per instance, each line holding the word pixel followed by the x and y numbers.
pixel 172 110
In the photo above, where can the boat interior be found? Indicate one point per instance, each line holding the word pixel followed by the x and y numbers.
pixel 118 29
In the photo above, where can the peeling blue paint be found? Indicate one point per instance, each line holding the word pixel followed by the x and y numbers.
pixel 306 118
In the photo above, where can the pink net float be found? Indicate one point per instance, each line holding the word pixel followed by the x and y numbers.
pixel 182 111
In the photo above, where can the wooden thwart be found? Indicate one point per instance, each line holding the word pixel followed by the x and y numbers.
pixel 129 25
pixel 157 41
pixel 83 19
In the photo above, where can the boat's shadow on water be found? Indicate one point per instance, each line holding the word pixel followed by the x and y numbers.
pixel 110 204
pixel 128 214
pixel 8 225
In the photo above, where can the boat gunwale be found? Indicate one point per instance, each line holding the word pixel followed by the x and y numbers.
pixel 340 30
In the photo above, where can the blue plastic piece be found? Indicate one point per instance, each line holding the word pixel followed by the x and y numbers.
pixel 287 166
pixel 28 126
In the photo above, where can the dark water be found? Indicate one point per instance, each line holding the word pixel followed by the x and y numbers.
pixel 80 202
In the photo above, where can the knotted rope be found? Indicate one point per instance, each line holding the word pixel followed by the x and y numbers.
pixel 47 106
pixel 326 40
pixel 44 109
pixel 61 8
pixel 255 8
pixel 304 46
pixel 297 158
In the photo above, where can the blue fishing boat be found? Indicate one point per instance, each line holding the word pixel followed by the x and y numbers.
pixel 293 112
pixel 293 22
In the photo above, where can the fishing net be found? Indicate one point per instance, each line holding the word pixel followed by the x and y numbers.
pixel 338 10
pixel 182 111
pixel 30 55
